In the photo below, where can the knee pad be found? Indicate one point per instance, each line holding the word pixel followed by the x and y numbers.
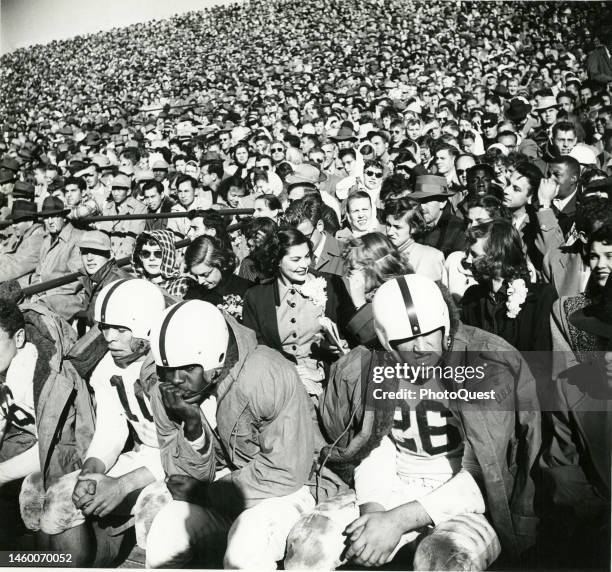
pixel 32 501
pixel 466 542
pixel 316 542
pixel 59 512
pixel 150 501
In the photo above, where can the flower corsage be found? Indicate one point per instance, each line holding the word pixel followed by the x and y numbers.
pixel 517 294
pixel 232 304
pixel 316 291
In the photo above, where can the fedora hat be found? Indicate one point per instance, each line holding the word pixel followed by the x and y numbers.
pixel 304 173
pixel 22 210
pixel 23 189
pixel 344 134
pixel 53 206
pixel 547 102
pixel 429 186
pixel 518 109
pixel 10 163
pixel 596 319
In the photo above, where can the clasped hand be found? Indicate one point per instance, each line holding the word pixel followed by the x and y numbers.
pixel 97 494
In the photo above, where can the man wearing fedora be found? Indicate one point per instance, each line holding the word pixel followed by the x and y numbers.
pixel 345 138
pixel 20 255
pixel 444 231
pixel 59 255
pixel 547 109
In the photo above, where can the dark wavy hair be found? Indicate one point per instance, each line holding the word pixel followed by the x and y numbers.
pixel 490 203
pixel 268 255
pixel 212 251
pixel 409 208
pixel 259 229
pixel 272 201
pixel 504 256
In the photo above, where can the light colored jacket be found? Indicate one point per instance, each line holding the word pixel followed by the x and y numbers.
pixel 58 257
pixel 123 233
pixel 21 255
pixel 425 260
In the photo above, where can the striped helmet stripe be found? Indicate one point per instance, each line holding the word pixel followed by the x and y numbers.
pixel 108 296
pixel 162 332
pixel 413 319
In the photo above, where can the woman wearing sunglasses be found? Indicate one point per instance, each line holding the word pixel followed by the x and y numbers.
pixel 155 260
pixel 373 173
pixel 277 151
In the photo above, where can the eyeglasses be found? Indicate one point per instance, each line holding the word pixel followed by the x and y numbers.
pixel 376 174
pixel 145 253
pixel 309 236
pixel 277 149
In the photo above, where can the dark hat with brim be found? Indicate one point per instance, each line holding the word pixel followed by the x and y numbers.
pixel 344 134
pixel 22 210
pixel 23 189
pixel 518 110
pixel 52 206
pixel 596 319
pixel 10 163
pixel 6 176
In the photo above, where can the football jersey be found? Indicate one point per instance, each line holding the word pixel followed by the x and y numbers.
pixel 119 402
pixel 427 437
pixel 17 393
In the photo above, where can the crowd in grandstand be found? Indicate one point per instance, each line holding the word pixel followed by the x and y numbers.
pixel 222 234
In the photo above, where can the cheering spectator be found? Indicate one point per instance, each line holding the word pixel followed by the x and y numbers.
pixel 273 309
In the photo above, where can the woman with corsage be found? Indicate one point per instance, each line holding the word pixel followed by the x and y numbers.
pixel 296 311
pixel 505 301
pixel 212 263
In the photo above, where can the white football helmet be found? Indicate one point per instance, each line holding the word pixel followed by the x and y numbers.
pixel 190 332
pixel 407 307
pixel 131 303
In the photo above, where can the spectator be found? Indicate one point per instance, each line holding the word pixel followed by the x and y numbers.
pixel 21 254
pixel 213 265
pixel 123 233
pixel 59 255
pixel 155 259
pixel 156 202
pixel 306 216
pixel 444 231
pixel 272 309
pixel 99 268
pixel 404 219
